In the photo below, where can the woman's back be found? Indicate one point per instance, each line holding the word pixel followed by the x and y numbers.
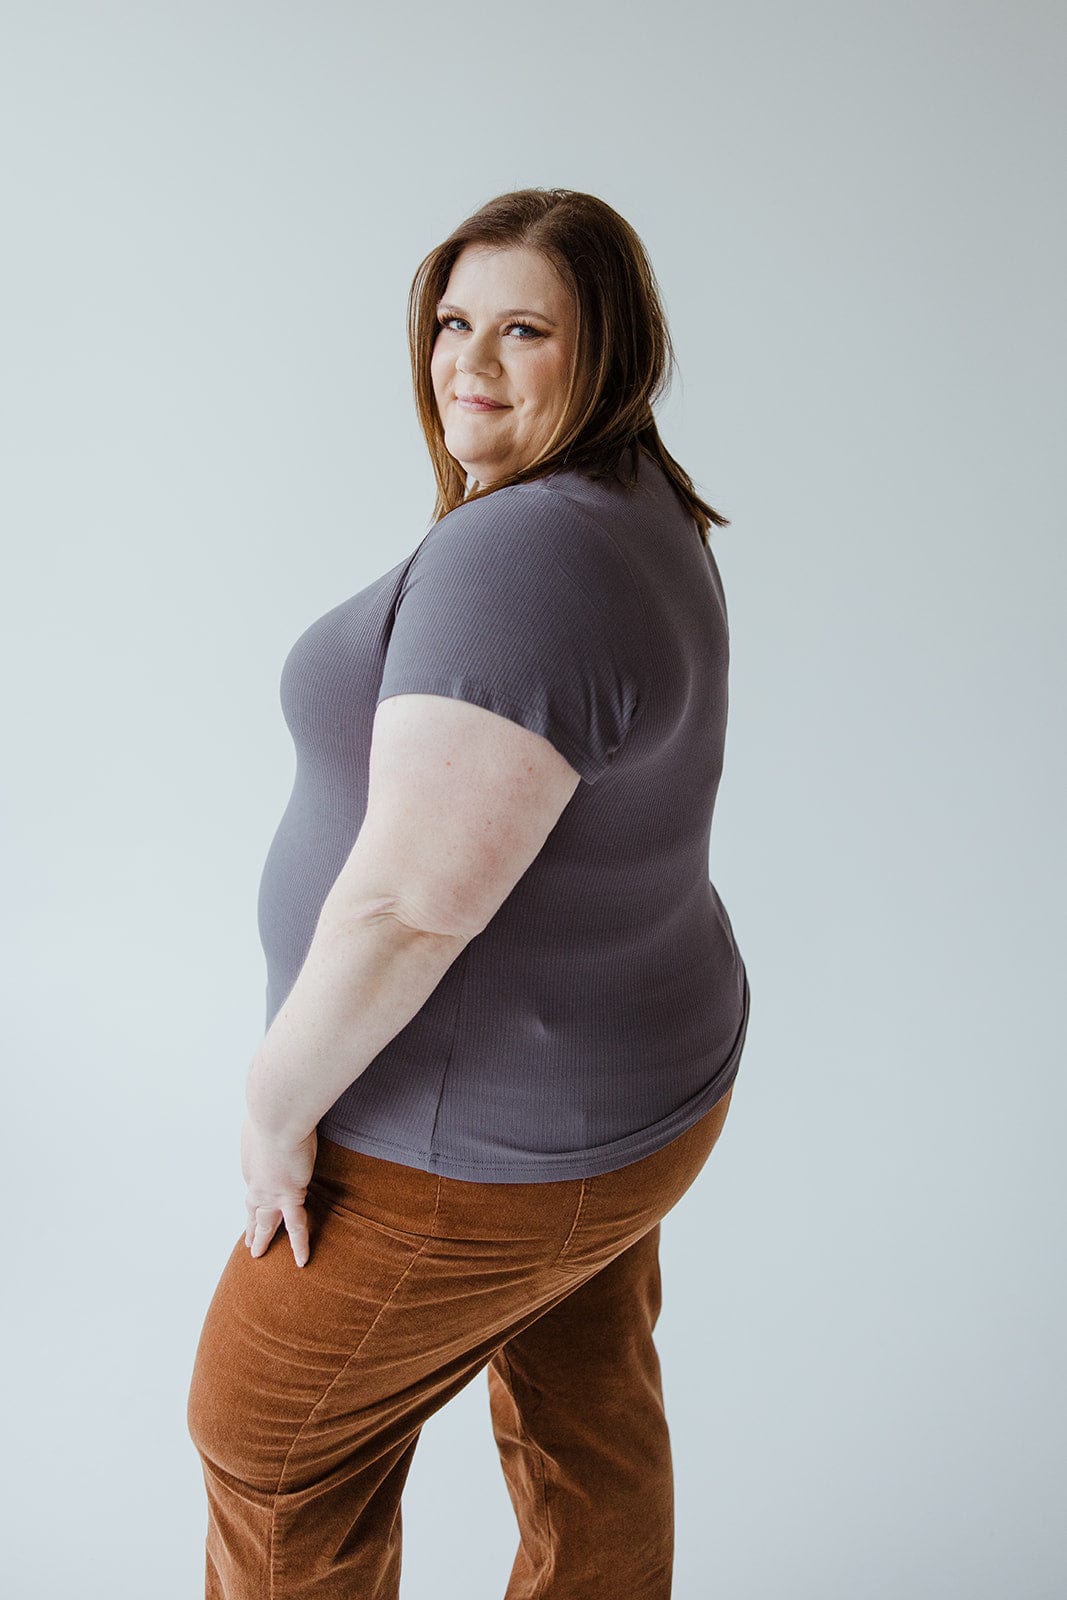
pixel 602 1010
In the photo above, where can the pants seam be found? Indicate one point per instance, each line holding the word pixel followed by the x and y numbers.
pixel 335 1379
pixel 531 1444
pixel 570 1233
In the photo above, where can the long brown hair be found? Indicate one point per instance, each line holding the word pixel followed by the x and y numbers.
pixel 623 362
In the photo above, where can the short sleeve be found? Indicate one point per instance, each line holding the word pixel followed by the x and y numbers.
pixel 518 602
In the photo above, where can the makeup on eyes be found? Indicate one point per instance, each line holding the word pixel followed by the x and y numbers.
pixel 444 318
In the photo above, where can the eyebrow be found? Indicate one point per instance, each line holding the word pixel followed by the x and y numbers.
pixel 515 312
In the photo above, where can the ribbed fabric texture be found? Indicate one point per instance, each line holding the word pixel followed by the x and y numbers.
pixel 604 1008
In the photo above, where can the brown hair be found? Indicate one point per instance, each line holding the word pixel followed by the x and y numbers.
pixel 624 358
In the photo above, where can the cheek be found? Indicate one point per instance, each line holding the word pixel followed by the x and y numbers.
pixel 439 365
pixel 547 382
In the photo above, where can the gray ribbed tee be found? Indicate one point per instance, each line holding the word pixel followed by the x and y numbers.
pixel 603 1009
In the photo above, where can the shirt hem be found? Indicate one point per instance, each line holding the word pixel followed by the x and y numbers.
pixel 552 1167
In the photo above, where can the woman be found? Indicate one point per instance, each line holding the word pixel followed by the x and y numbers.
pixel 505 1006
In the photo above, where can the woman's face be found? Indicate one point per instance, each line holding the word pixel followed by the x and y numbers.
pixel 506 331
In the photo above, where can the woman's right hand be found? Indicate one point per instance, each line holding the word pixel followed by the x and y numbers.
pixel 277 1176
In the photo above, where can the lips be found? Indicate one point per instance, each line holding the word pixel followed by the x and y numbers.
pixel 479 402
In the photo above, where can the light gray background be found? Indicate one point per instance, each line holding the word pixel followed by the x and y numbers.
pixel 212 215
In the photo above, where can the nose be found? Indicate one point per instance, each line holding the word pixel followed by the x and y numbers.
pixel 477 356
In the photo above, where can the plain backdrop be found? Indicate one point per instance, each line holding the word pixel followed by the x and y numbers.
pixel 212 215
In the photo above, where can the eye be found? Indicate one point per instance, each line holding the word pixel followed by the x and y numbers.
pixel 530 330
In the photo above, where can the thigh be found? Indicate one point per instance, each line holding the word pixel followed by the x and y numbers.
pixel 412 1281
pixel 276 1336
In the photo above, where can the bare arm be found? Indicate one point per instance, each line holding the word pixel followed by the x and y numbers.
pixel 460 802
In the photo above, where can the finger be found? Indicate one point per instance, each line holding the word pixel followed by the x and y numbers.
pixel 296 1226
pixel 267 1220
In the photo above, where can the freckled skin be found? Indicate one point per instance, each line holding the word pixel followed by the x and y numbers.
pixel 523 363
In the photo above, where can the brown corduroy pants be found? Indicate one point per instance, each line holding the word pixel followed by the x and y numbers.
pixel 311 1384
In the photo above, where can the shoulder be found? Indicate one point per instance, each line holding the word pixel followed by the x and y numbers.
pixel 529 534
pixel 519 513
